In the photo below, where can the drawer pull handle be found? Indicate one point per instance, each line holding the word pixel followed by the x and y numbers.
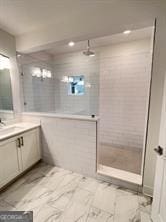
pixel 22 141
pixel 18 142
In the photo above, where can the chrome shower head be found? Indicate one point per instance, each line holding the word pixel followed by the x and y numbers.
pixel 88 52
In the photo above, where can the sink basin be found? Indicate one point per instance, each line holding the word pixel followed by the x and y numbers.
pixel 9 129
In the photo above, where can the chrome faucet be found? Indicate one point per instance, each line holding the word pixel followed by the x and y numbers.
pixel 2 123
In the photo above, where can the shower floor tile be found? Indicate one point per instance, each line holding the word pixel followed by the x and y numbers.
pixel 73 197
pixel 120 158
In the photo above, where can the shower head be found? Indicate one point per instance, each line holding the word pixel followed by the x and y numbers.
pixel 88 52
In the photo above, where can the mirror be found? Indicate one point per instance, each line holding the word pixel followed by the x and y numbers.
pixel 6 103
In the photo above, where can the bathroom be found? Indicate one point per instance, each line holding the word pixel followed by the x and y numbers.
pixel 80 116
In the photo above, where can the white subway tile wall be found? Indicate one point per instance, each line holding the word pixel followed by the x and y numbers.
pixel 76 64
pixel 68 143
pixel 125 72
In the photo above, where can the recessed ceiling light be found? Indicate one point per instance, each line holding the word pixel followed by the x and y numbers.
pixel 71 43
pixel 127 32
pixel 18 55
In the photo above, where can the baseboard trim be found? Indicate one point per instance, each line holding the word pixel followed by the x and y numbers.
pixel 148 191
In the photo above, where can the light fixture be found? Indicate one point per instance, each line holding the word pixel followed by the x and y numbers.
pixel 71 43
pixel 44 73
pixel 49 74
pixel 126 32
pixel 88 52
pixel 4 62
pixel 41 73
pixel 36 72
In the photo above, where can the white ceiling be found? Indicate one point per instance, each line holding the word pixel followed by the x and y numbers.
pixel 55 49
pixel 23 16
pixel 38 22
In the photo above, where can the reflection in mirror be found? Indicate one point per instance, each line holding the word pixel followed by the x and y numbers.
pixel 6 103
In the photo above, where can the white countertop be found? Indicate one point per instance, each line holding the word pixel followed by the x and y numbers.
pixel 15 129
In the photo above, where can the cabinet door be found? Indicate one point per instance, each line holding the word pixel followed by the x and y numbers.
pixel 9 163
pixel 30 149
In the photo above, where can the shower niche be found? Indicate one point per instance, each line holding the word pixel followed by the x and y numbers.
pixel 76 85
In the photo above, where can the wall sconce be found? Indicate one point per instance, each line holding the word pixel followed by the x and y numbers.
pixel 4 62
pixel 41 73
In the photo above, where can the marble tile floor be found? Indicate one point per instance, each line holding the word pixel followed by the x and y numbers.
pixel 58 195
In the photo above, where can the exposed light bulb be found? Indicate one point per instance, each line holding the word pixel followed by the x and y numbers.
pixel 36 72
pixel 49 74
pixel 44 73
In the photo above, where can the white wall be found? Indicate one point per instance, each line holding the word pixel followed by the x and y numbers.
pixel 125 72
pixel 159 71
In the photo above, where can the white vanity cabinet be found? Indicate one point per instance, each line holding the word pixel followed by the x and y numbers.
pixel 18 154
pixel 30 149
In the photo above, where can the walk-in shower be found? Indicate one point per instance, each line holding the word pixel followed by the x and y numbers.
pixel 113 84
pixel 125 78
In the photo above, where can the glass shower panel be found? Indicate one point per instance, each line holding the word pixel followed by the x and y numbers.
pixel 125 73
pixel 58 89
